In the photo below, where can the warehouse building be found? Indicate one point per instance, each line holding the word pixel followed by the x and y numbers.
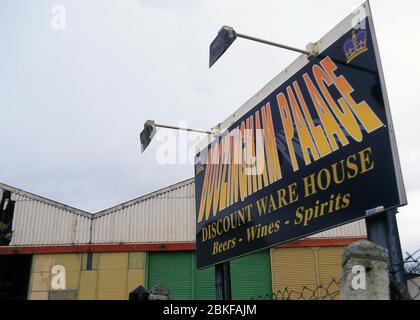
pixel 145 241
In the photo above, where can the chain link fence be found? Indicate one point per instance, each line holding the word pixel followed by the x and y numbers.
pixel 331 290
pixel 412 271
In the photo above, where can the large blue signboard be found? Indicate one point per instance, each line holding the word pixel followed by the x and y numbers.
pixel 313 151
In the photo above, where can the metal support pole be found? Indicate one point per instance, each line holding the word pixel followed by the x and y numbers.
pixel 376 230
pixel 244 36
pixel 226 281
pixel 183 129
pixel 383 230
pixel 223 287
pixel 396 259
pixel 219 281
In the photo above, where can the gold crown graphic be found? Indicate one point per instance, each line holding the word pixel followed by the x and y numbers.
pixel 355 45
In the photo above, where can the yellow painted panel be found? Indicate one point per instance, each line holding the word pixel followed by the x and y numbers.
pixel 71 261
pixel 40 281
pixel 88 280
pixel 136 260
pixel 112 294
pixel 135 279
pixel 42 262
pixel 329 259
pixel 292 270
pixel 113 279
pixel 72 280
pixel 87 294
pixel 110 261
pixel 330 271
pixel 38 295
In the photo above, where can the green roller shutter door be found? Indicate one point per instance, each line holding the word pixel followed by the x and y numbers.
pixel 204 284
pixel 177 272
pixel 174 271
pixel 251 276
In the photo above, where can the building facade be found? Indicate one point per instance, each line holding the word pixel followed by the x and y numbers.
pixel 60 252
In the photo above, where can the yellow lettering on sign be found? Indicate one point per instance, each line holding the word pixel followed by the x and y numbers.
pixel 289 132
pixel 363 111
pixel 306 142
pixel 330 125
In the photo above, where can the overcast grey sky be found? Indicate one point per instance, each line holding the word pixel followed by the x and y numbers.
pixel 73 101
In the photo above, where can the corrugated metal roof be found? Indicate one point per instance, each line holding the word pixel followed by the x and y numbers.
pixel 34 197
pixel 145 197
pixel 163 216
pixel 40 221
pixel 350 230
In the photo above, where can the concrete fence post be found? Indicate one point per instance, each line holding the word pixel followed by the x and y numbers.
pixel 365 272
